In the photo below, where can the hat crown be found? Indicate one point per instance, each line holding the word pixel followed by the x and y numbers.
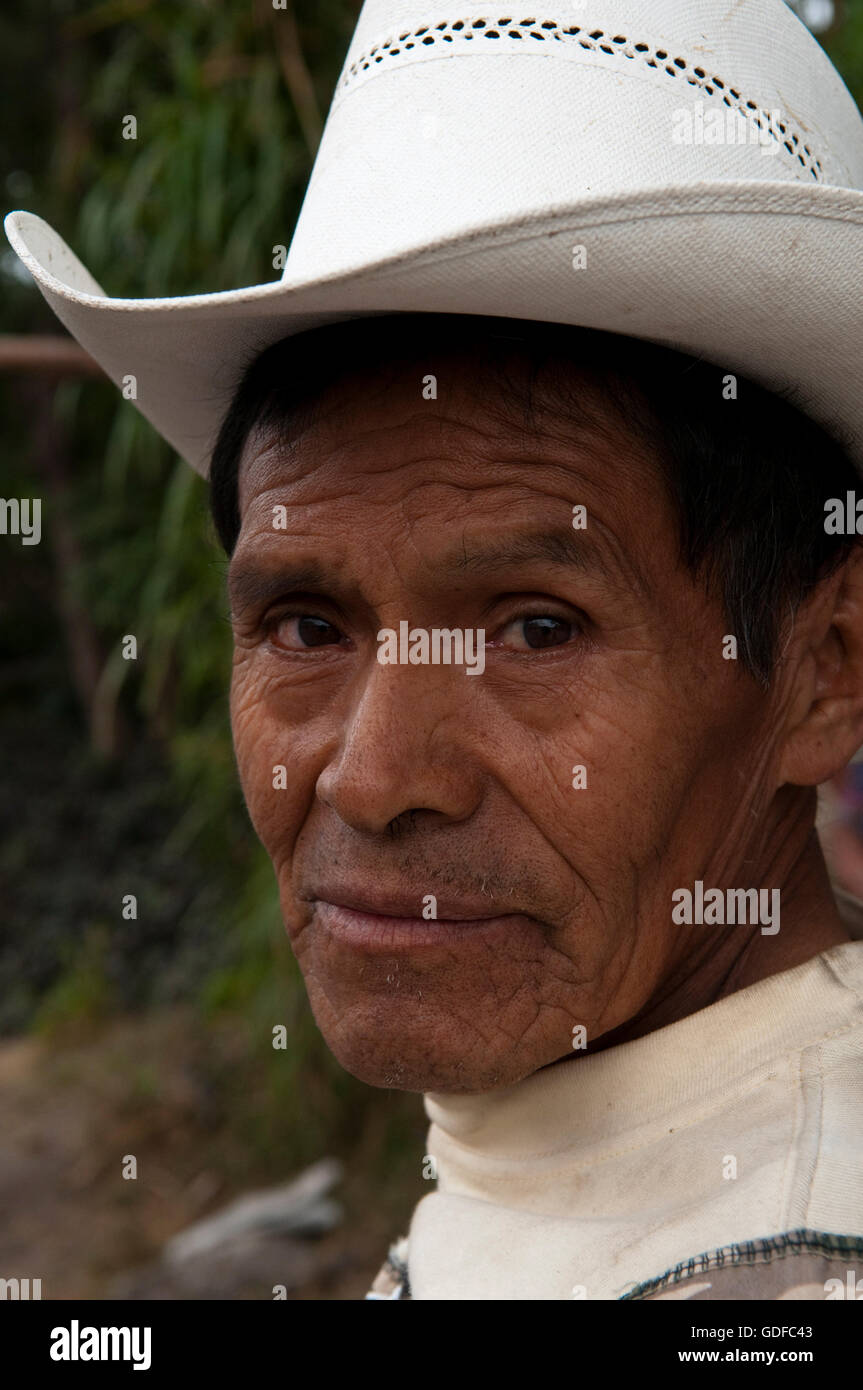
pixel 447 116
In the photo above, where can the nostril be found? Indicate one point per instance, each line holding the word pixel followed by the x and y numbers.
pixel 403 821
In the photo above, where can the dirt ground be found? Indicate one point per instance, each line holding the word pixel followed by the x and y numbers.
pixel 70 1114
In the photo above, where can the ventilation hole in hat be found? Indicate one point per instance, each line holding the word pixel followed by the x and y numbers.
pixel 540 31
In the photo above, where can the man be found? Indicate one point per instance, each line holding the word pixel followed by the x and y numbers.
pixel 545 637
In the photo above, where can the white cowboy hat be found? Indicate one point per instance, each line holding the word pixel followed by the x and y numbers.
pixel 563 163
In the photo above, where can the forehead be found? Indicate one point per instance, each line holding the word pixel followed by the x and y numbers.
pixel 479 474
pixel 448 407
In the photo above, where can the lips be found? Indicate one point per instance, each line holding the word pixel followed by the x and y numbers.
pixel 376 918
pixel 373 933
pixel 406 906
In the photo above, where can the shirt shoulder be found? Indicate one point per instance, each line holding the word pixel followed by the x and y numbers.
pixel 797 1265
pixel 392 1279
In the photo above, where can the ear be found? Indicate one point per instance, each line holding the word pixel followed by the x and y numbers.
pixel 825 707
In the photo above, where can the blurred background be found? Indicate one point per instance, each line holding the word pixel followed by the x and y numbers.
pixel 149 1035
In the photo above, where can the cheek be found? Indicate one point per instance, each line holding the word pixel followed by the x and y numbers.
pixel 270 765
pixel 600 772
pixel 610 788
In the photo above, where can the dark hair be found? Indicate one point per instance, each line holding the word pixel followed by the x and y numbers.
pixel 748 476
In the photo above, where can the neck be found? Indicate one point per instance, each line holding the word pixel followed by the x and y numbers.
pixel 733 958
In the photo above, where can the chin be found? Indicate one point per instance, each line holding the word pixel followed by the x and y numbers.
pixel 412 1050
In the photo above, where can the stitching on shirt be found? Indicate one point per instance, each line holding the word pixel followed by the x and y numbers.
pixel 461 36
pixel 764 1250
pixel 819 1081
pixel 790 1167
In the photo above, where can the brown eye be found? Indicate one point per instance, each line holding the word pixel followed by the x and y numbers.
pixel 299 632
pixel 535 633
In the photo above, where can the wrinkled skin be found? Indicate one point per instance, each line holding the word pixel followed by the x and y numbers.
pixel 405 781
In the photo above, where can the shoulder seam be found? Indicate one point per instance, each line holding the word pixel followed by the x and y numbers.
pixel 753 1252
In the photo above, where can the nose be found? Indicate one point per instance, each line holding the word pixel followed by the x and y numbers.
pixel 407 746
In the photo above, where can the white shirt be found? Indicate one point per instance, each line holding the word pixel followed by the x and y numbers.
pixel 743 1120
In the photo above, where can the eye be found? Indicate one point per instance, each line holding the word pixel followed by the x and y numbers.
pixel 537 631
pixel 298 632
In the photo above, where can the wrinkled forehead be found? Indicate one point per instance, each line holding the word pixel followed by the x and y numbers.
pixel 452 464
pixel 467 406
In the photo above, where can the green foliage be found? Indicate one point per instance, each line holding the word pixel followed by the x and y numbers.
pixel 81 995
pixel 845 46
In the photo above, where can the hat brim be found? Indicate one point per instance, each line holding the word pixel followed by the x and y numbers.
pixel 763 279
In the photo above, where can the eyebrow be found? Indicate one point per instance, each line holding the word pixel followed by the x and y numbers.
pixel 571 549
pixel 563 549
pixel 250 586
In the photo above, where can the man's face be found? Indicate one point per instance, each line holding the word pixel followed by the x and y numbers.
pixel 412 783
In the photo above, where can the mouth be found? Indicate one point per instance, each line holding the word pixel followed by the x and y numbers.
pixel 398 922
